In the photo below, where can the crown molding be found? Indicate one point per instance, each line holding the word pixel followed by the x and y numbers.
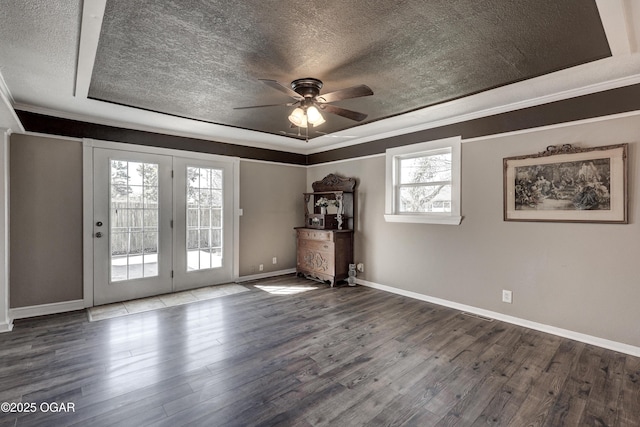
pixel 8 117
pixel 4 90
pixel 153 129
pixel 497 94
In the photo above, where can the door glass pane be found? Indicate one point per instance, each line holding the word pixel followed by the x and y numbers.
pixel 216 198
pixel 192 239
pixel 134 220
pixel 216 217
pixel 204 218
pixel 150 250
pixel 192 218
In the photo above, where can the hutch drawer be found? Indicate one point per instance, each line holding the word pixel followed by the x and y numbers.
pixel 306 234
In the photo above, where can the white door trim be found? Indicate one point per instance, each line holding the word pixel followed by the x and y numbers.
pixel 87 223
pixel 87 191
pixel 6 322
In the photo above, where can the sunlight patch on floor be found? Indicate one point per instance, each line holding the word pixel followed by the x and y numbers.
pixel 125 308
pixel 285 290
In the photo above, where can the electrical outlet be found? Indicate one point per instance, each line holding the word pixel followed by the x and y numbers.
pixel 261 267
pixel 275 260
pixel 360 267
pixel 507 296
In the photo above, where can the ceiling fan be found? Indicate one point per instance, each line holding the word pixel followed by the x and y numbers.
pixel 309 102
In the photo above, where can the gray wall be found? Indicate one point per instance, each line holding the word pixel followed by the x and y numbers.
pixel 45 220
pixel 271 200
pixel 580 277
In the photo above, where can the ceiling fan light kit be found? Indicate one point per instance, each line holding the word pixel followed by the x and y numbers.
pixel 303 117
pixel 314 117
pixel 298 118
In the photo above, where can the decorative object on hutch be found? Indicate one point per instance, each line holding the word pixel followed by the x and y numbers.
pixel 325 243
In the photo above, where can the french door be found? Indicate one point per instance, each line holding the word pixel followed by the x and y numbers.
pixel 203 215
pixel 161 223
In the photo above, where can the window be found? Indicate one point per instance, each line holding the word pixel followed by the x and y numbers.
pixel 423 182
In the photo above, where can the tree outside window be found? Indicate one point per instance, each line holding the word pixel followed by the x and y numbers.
pixel 425 183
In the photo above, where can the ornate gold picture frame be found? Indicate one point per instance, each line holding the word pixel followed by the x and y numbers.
pixel 567 184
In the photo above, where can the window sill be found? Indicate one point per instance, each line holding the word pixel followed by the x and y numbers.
pixel 424 219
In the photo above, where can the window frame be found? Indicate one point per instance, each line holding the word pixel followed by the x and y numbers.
pixel 392 184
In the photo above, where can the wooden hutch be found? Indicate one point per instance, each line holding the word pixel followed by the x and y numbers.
pixel 325 243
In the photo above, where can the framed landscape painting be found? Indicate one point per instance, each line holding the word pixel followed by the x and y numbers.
pixel 567 184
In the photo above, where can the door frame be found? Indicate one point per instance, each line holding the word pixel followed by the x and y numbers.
pixel 88 145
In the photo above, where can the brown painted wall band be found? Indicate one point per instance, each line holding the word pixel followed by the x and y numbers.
pixel 593 105
pixel 64 127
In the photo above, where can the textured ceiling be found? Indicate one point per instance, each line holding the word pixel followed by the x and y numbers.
pixel 200 59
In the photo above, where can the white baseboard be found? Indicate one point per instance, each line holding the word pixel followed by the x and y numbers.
pixel 265 275
pixel 6 327
pixel 44 309
pixel 565 333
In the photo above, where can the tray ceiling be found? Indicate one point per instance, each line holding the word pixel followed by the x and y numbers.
pixel 181 67
pixel 199 60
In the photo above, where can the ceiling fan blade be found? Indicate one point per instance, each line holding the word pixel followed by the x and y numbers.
pixel 289 104
pixel 282 88
pixel 353 115
pixel 350 92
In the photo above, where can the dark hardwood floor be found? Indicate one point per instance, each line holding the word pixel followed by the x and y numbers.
pixel 325 357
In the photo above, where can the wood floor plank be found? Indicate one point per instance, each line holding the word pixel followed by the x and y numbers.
pixel 321 357
pixel 605 392
pixel 544 387
pixel 470 402
pixel 412 390
pixel 297 403
pixel 502 408
pixel 629 401
pixel 540 400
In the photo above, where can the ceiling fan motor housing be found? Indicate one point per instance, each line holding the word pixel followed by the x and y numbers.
pixel 307 87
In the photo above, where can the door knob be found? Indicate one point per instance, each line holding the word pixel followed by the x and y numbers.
pixel 98 234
